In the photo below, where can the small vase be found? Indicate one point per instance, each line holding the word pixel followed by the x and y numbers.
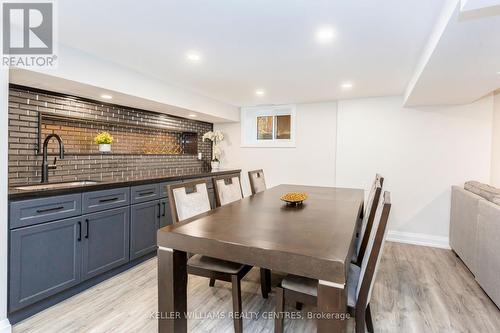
pixel 215 165
pixel 104 148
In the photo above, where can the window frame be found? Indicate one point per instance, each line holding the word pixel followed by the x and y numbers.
pixel 249 126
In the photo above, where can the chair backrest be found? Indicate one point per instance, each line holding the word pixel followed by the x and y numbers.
pixel 257 181
pixel 227 189
pixel 369 216
pixel 370 263
pixel 188 200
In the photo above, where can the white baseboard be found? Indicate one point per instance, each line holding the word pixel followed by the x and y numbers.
pixel 418 239
pixel 5 326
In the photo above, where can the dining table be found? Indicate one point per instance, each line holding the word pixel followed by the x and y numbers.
pixel 314 239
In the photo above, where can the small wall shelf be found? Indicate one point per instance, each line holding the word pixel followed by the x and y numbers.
pixel 130 139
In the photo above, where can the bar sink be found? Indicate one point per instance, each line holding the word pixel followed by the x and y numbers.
pixel 52 186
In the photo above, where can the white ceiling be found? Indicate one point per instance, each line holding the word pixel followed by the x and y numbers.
pixel 265 44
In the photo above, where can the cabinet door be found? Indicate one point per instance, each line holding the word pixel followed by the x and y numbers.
pixel 105 241
pixel 144 223
pixel 44 260
pixel 166 214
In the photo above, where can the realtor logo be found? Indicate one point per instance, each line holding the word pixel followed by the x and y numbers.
pixel 28 34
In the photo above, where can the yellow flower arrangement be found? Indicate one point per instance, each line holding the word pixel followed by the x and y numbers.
pixel 103 138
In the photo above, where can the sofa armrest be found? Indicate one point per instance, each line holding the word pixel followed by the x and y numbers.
pixel 463 225
pixel 488 249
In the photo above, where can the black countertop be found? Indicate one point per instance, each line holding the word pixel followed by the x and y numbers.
pixel 15 194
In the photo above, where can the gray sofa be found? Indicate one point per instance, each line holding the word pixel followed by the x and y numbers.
pixel 475 233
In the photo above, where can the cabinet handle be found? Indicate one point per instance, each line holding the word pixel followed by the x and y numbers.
pixel 164 209
pixel 86 228
pixel 108 200
pixel 49 209
pixel 146 193
pixel 79 231
pixel 159 211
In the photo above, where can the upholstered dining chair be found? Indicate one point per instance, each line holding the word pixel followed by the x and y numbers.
pixel 366 223
pixel 360 280
pixel 228 190
pixel 257 181
pixel 188 200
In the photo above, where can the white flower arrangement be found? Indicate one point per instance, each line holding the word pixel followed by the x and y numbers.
pixel 216 137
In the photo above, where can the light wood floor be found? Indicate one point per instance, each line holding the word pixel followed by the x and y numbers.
pixel 418 289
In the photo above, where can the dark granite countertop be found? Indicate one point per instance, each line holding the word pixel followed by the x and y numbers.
pixel 15 194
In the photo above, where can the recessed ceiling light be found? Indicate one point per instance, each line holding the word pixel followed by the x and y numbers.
pixel 193 56
pixel 106 96
pixel 325 35
pixel 498 73
pixel 192 115
pixel 346 85
pixel 260 92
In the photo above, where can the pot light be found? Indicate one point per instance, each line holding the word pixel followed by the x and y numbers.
pixel 106 96
pixel 325 35
pixel 260 92
pixel 346 85
pixel 192 115
pixel 193 56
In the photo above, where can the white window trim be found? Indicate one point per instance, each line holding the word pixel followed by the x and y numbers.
pixel 249 126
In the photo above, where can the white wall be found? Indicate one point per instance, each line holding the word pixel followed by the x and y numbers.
pixel 4 92
pixel 421 152
pixel 311 162
pixel 495 147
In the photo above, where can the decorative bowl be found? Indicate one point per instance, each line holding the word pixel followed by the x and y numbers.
pixel 294 198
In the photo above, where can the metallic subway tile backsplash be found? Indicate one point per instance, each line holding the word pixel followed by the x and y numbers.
pixel 25 164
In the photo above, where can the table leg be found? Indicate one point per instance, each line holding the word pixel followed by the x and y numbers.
pixel 172 291
pixel 331 307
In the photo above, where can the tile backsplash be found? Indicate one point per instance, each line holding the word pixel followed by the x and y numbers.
pixel 25 163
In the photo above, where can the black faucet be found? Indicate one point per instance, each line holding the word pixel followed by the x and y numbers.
pixel 45 164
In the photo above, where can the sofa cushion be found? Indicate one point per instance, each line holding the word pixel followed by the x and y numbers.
pixel 485 191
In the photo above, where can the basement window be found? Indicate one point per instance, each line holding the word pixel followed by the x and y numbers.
pixel 268 126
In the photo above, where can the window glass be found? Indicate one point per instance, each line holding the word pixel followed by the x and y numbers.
pixel 265 128
pixel 283 126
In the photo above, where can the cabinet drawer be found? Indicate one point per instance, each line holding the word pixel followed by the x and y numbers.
pixel 106 199
pixel 143 193
pixel 163 187
pixel 29 212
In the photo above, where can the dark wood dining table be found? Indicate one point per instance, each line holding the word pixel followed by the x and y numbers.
pixel 315 240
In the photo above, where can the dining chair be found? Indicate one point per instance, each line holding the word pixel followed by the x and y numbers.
pixel 365 227
pixel 257 181
pixel 360 280
pixel 228 190
pixel 187 201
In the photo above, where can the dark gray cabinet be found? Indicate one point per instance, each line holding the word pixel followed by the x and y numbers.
pixel 143 193
pixel 144 223
pixel 58 242
pixel 166 214
pixel 34 211
pixel 97 201
pixel 105 241
pixel 44 260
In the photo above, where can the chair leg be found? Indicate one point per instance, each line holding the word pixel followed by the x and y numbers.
pixel 236 288
pixel 298 306
pixel 265 282
pixel 280 309
pixel 211 283
pixel 369 322
pixel 360 320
